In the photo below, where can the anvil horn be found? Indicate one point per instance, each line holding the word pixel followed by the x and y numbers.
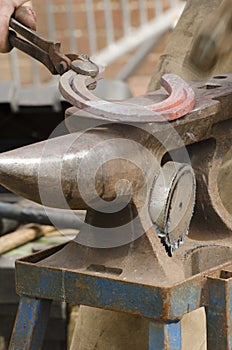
pixel 76 170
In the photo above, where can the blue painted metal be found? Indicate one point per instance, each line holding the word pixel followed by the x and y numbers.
pixel 164 305
pixel 30 324
pixel 165 336
pixel 183 298
pixel 86 289
pixel 168 303
pixel 219 312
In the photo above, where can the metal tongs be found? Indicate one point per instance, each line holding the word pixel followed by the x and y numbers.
pixel 48 52
pixel 79 75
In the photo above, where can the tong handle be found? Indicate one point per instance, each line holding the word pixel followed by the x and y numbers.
pixel 34 45
pixel 48 52
pixel 30 35
pixel 33 51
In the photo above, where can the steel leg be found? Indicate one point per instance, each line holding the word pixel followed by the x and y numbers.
pixel 219 312
pixel 30 324
pixel 165 336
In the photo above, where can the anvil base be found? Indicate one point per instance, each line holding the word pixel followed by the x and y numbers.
pixel 52 275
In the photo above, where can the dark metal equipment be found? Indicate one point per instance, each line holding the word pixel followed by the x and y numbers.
pixel 148 283
pixel 23 214
pixel 157 237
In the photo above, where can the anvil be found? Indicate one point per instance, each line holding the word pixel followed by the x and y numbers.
pixel 121 170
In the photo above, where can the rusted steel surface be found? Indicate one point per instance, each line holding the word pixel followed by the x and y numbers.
pixel 74 89
pixel 136 276
pixel 213 106
pixel 171 300
pixel 218 310
pixel 33 320
pixel 47 172
pixel 70 159
pixel 213 40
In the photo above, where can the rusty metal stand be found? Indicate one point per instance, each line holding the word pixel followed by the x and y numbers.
pixel 41 279
pixel 32 320
pixel 165 334
pixel 218 311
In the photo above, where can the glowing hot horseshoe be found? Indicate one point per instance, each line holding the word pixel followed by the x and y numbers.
pixel 181 100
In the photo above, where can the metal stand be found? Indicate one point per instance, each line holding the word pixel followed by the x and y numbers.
pixel 31 323
pixel 48 275
pixel 165 336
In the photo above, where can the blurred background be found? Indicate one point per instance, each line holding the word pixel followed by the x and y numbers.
pixel 125 35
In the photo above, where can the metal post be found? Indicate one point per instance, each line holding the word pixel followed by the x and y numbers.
pixel 50 20
pixel 91 26
pixel 30 324
pixel 126 16
pixel 158 6
pixel 109 22
pixel 218 312
pixel 128 69
pixel 142 11
pixel 71 25
pixel 165 336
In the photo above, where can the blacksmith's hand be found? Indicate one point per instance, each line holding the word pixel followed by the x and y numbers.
pixel 22 11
